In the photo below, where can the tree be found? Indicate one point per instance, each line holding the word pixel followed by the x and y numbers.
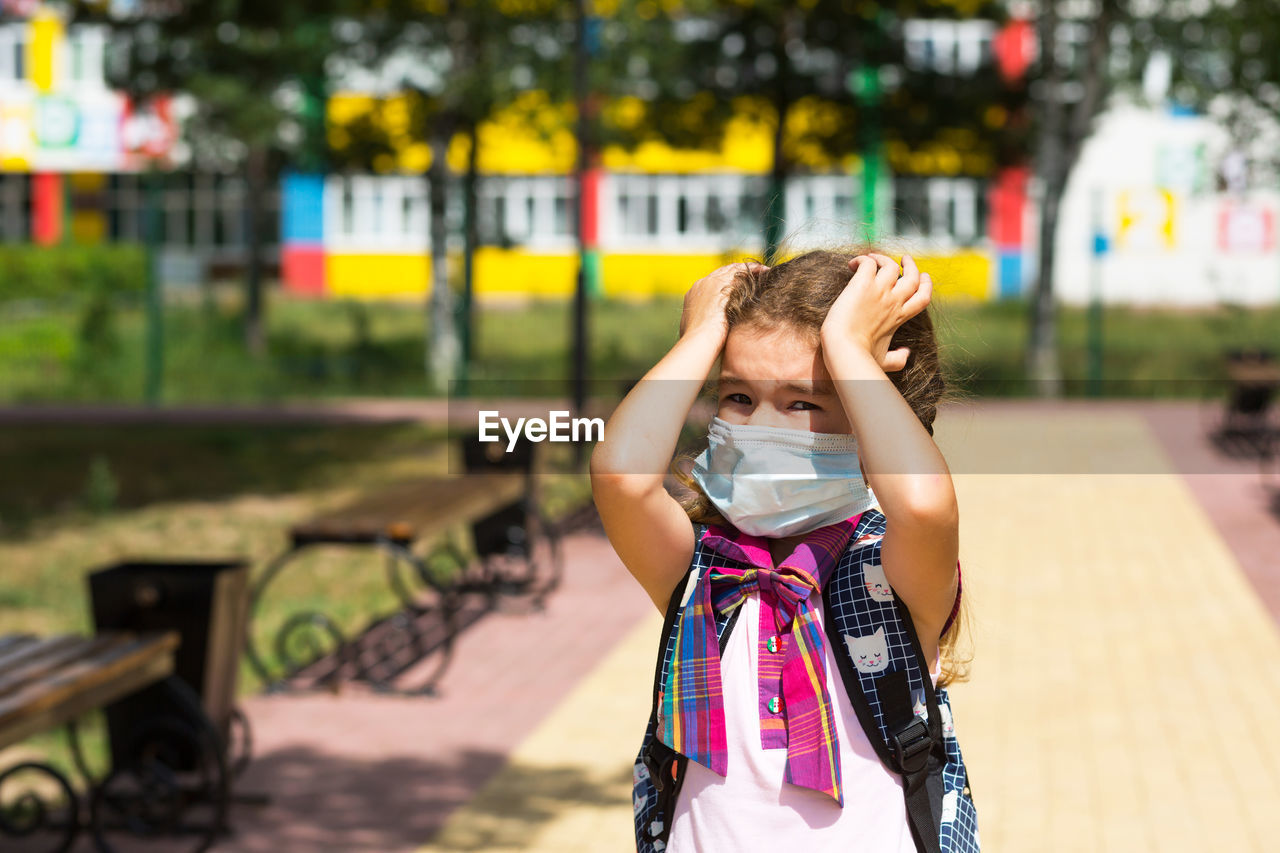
pixel 842 61
pixel 1072 78
pixel 483 55
pixel 1225 59
pixel 250 68
pixel 478 55
pixel 1216 54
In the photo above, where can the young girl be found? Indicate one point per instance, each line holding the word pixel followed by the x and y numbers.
pixel 829 383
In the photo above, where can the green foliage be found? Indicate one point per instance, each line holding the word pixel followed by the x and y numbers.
pixel 332 349
pixel 50 273
pixel 1224 56
pixel 101 489
pixel 98 347
pixel 254 68
pixel 785 52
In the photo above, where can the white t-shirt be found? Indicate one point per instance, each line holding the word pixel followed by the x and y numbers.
pixel 752 808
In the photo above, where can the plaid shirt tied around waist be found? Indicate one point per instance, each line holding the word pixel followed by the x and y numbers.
pixel 795 708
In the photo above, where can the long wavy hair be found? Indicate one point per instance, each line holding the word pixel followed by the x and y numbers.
pixel 797 294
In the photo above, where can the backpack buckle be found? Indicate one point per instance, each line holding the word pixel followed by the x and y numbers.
pixel 910 746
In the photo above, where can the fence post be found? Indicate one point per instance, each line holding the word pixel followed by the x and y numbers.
pixel 154 287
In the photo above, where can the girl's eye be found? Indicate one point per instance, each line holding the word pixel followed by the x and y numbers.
pixel 738 398
pixel 808 406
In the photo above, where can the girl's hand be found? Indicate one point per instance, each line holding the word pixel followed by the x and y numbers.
pixel 874 303
pixel 705 301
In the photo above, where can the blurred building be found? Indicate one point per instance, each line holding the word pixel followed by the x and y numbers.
pixel 1146 218
pixel 72 153
pixel 1160 210
pixel 660 216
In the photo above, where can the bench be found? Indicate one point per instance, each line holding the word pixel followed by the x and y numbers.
pixel 511 547
pixel 47 683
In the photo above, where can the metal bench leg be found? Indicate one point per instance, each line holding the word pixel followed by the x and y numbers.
pixel 174 761
pixel 300 645
pixel 298 631
pixel 400 640
pixel 255 597
pixel 29 813
pixel 552 535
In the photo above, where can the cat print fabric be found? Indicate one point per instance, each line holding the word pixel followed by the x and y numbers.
pixel 870 654
pixel 876 582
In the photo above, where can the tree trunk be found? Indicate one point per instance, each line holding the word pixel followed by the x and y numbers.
pixel 255 191
pixel 471 240
pixel 1062 138
pixel 775 209
pixel 1042 366
pixel 442 334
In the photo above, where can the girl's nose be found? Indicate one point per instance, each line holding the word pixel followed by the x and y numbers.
pixel 767 416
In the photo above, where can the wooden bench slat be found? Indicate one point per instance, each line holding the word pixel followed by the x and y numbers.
pixel 13 640
pixel 415 510
pixel 53 655
pixel 22 645
pixel 82 673
pixel 42 646
pixel 111 671
pixel 1254 372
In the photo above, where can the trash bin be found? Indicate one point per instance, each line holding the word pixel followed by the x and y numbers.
pixel 206 602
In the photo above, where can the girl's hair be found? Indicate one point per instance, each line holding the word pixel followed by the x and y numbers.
pixel 797 294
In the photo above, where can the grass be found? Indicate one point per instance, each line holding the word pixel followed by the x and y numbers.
pixel 325 349
pixel 316 349
pixel 201 491
pixel 1146 352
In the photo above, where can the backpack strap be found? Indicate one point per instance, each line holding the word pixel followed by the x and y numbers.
pixel 911 746
pixel 896 704
pixel 665 766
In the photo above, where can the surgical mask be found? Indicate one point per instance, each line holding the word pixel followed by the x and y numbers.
pixel 769 481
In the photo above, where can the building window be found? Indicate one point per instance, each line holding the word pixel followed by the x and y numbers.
pixel 13 53
pixel 951 211
pixel 947 46
pixel 15 205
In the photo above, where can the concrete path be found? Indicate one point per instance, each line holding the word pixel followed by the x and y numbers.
pixel 1124 694
pixel 366 772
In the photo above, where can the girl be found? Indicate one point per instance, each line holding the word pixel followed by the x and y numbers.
pixel 764 729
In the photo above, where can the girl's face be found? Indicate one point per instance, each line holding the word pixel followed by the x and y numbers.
pixel 775 377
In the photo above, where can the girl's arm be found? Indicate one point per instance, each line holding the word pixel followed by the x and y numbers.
pixel 906 469
pixel 647 526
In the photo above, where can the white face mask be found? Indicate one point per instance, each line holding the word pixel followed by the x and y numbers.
pixel 769 481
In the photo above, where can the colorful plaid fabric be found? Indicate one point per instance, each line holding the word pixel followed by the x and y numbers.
pixel 795 710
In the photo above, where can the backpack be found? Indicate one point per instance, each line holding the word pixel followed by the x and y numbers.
pixel 907 721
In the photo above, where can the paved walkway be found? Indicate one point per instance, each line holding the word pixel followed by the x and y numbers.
pixel 1125 694
pixel 367 772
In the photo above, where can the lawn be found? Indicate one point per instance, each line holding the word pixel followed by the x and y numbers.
pixel 325 349
pixel 79 497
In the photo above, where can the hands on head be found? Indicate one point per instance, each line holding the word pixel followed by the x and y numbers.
pixel 879 297
pixel 704 303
